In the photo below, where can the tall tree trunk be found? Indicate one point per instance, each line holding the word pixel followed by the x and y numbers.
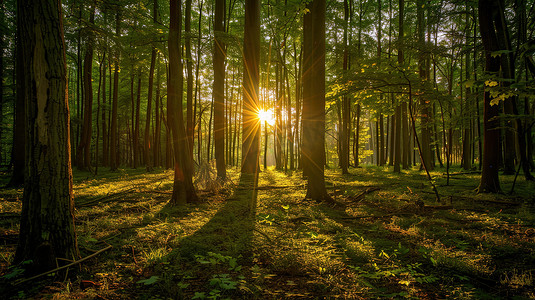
pixel 219 89
pixel 314 100
pixel 136 144
pixel 147 138
pixel 346 106
pixel 189 81
pixel 251 58
pixel 104 117
pixel 47 217
pixel 101 82
pixel 467 162
pixel 84 147
pixel 19 130
pixel 157 126
pixel 113 127
pixel 491 149
pixel 2 46
pixel 425 111
pixel 183 189
pixel 396 120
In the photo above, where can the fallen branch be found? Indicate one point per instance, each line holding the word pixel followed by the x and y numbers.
pixel 464 173
pixel 269 187
pixel 360 196
pixel 157 192
pixel 62 267
pixel 439 207
pixel 378 217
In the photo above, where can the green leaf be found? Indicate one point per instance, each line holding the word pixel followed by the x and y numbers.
pixel 469 83
pixel 199 295
pixel 149 281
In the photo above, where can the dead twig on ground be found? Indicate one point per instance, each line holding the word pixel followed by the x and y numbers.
pixel 62 267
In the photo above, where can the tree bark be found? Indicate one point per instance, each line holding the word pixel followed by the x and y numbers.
pixel 251 58
pixel 183 189
pixel 491 148
pixel 47 221
pixel 83 152
pixel 19 130
pixel 219 89
pixel 113 127
pixel 313 150
pixel 346 106
pixel 189 81
pixel 425 112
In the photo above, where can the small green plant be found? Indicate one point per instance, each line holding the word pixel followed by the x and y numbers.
pixel 223 281
pixel 217 258
pixel 149 281
pixel 426 253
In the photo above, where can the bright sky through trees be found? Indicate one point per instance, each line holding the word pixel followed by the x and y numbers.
pixel 266 115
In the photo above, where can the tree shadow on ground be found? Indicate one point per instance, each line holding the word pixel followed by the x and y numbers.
pixel 230 231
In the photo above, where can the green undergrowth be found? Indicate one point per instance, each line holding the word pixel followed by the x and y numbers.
pixel 384 237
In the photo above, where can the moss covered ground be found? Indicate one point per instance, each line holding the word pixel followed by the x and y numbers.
pixel 385 237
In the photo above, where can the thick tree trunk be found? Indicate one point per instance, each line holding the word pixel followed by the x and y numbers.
pixel 47 221
pixel 491 149
pixel 313 154
pixel 219 89
pixel 251 57
pixel 183 189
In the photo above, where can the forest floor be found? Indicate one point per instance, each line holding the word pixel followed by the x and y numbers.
pixel 385 237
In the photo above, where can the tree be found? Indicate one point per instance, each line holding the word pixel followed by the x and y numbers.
pixel 427 157
pixel 113 126
pixel 189 69
pixel 219 88
pixel 19 128
pixel 251 78
pixel 148 162
pixel 183 189
pixel 346 106
pixel 83 152
pixel 490 181
pixel 313 150
pixel 47 220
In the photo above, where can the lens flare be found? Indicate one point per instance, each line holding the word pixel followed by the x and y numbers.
pixel 266 116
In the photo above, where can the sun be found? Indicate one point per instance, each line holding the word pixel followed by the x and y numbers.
pixel 266 116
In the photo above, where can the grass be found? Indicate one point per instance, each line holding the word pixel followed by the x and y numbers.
pixel 271 243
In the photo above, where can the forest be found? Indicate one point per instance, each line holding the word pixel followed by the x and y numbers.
pixel 281 149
